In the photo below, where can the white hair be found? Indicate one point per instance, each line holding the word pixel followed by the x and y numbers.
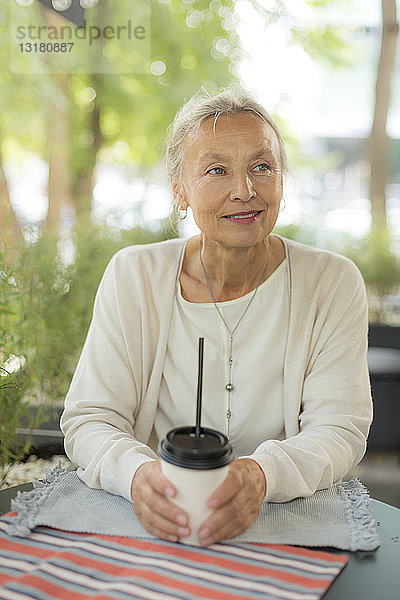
pixel 202 106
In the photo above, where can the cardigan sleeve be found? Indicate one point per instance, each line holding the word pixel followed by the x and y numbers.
pixel 98 419
pixel 336 405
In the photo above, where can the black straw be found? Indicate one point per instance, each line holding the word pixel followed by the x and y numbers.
pixel 199 386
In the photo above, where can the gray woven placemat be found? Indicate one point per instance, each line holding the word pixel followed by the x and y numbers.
pixel 339 517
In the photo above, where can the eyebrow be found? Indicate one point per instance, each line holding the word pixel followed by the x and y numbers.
pixel 215 156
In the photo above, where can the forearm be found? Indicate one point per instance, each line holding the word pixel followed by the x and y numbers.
pixel 106 456
pixel 335 411
pixel 307 462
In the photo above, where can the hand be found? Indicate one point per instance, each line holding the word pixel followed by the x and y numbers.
pixel 237 502
pixel 150 490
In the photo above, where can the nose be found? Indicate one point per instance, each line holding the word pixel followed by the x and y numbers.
pixel 242 189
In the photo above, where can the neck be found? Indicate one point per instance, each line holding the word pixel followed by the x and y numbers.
pixel 233 272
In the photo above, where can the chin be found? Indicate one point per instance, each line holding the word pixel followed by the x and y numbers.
pixel 242 241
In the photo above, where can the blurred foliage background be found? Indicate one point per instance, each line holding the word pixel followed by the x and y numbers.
pixel 79 131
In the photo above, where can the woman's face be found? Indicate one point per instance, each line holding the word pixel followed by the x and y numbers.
pixel 232 179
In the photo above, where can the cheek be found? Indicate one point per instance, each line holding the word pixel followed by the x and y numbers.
pixel 272 193
pixel 212 188
pixel 201 207
pixel 207 198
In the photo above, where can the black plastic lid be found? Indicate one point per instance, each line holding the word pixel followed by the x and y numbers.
pixel 210 450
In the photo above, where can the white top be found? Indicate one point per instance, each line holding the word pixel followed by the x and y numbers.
pixel 111 405
pixel 257 372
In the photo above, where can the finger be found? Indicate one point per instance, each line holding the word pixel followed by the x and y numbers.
pixel 153 509
pixel 225 492
pixel 229 530
pixel 243 473
pixel 156 517
pixel 225 524
pixel 160 482
pixel 230 519
pixel 228 511
pixel 160 505
pixel 159 525
pixel 244 488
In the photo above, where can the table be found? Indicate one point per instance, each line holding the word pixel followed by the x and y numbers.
pixel 367 576
pixel 9 493
pixel 373 575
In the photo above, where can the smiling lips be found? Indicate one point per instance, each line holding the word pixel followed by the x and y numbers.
pixel 243 217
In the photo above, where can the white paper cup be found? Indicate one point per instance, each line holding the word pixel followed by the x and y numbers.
pixel 196 465
pixel 193 491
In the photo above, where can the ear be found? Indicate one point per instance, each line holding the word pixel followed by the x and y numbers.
pixel 178 193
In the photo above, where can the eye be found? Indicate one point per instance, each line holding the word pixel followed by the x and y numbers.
pixel 215 169
pixel 267 168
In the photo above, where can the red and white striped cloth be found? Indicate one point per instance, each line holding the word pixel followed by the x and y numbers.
pixel 52 564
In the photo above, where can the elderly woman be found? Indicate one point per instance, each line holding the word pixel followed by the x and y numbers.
pixel 285 327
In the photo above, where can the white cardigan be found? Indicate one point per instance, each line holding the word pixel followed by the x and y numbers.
pixel 111 404
pixel 256 402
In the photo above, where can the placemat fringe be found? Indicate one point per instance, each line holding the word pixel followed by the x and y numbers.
pixel 28 504
pixel 358 514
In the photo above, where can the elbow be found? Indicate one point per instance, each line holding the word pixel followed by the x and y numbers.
pixel 69 446
pixel 351 447
pixel 357 452
pixel 70 429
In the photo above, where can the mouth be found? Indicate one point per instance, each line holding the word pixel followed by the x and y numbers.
pixel 243 217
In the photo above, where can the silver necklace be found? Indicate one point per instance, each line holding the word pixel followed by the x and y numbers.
pixel 229 387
